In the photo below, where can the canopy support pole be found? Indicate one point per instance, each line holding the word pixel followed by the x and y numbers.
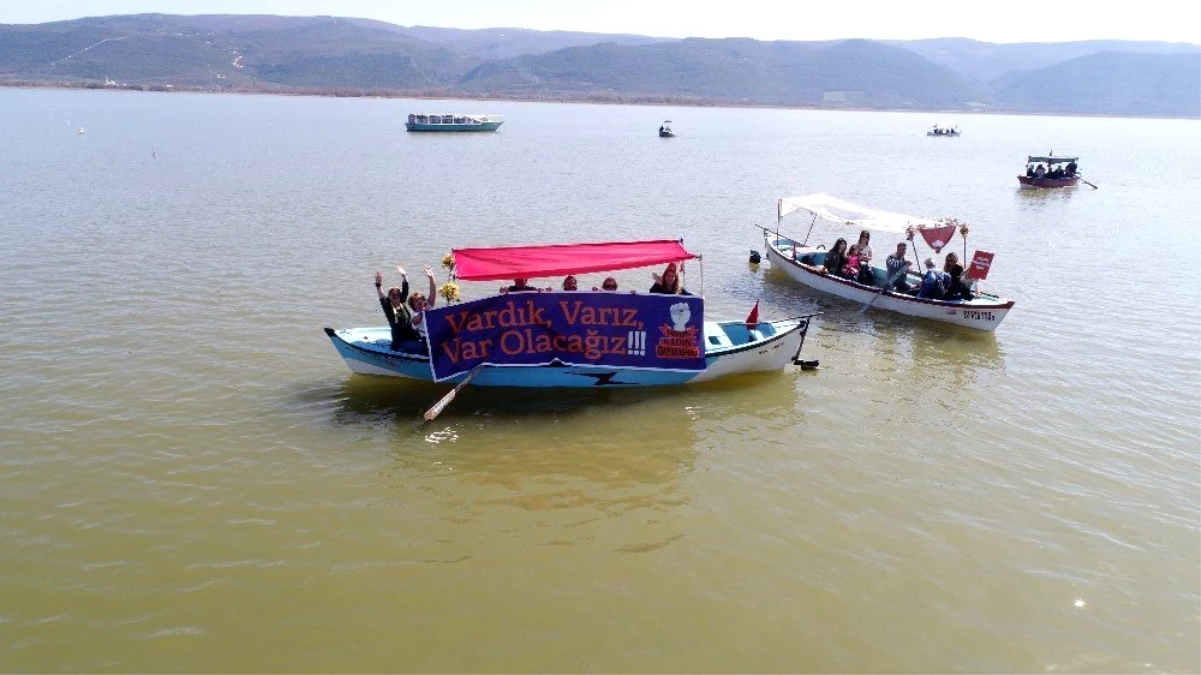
pixel 779 207
pixel 811 224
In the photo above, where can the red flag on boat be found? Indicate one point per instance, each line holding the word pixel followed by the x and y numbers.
pixel 981 261
pixel 752 319
pixel 937 237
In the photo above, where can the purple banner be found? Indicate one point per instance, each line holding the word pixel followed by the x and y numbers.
pixel 625 330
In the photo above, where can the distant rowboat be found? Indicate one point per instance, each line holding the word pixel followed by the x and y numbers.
pixel 1059 172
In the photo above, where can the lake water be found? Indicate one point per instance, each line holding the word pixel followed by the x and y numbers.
pixel 192 480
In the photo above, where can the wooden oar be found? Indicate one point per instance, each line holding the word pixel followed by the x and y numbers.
pixel 1089 184
pixel 887 285
pixel 441 405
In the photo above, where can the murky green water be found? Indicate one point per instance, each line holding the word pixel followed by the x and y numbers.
pixel 191 480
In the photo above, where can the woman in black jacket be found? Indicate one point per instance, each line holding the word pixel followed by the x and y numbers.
pixel 395 308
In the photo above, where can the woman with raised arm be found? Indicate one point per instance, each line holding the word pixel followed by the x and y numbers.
pixel 669 283
pixel 393 304
pixel 419 303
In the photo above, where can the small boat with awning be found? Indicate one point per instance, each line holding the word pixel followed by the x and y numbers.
pixel 550 338
pixel 806 263
pixel 452 122
pixel 1051 172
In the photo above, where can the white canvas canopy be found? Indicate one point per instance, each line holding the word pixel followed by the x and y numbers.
pixel 841 211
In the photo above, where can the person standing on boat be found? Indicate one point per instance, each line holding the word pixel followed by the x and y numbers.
pixel 393 304
pixel 419 303
pixel 898 269
pixel 669 283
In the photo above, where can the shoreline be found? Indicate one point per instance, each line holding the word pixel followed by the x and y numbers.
pixel 598 99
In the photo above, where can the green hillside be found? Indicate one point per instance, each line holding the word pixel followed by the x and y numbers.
pixel 855 72
pixel 358 56
pixel 1111 83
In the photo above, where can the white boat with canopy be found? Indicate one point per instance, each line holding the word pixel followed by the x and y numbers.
pixel 808 263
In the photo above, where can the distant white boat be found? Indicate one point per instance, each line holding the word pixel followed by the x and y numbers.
pixel 81 131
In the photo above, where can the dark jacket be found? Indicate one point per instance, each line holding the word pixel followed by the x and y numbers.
pixel 400 321
pixel 660 288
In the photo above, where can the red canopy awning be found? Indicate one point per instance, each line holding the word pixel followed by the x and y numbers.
pixel 529 262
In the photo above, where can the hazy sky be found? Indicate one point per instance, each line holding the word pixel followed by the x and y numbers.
pixel 994 21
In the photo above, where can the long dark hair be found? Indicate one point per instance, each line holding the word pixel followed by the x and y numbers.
pixel 840 246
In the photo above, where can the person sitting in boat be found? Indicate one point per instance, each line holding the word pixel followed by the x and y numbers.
pixel 1029 171
pixel 1070 171
pixel 1039 171
pixel 836 258
pixel 669 283
pixel 959 288
pixel 851 269
pixel 570 283
pixel 393 304
pixel 898 270
pixel 519 286
pixel 609 284
pixel 934 282
pixel 418 303
pixel 865 249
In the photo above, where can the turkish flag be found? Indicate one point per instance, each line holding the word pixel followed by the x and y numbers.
pixel 752 319
pixel 937 237
pixel 981 262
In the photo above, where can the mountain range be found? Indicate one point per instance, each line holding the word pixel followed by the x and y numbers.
pixel 347 56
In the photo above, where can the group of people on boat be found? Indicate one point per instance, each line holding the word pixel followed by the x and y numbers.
pixel 948 131
pixel 1038 170
pixel 854 263
pixel 668 283
pixel 947 283
pixel 406 311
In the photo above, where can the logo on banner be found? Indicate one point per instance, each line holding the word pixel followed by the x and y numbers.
pixel 679 340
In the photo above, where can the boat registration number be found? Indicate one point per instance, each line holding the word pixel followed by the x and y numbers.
pixel 978 315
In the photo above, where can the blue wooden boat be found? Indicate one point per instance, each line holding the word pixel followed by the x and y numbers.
pixel 731 349
pixel 453 122
pixel 640 339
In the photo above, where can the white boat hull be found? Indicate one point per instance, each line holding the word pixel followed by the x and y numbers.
pixel 984 313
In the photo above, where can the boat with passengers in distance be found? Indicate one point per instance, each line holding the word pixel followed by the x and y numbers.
pixel 427 122
pixel 665 130
pixel 1050 172
pixel 945 132
pixel 805 263
pixel 545 338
